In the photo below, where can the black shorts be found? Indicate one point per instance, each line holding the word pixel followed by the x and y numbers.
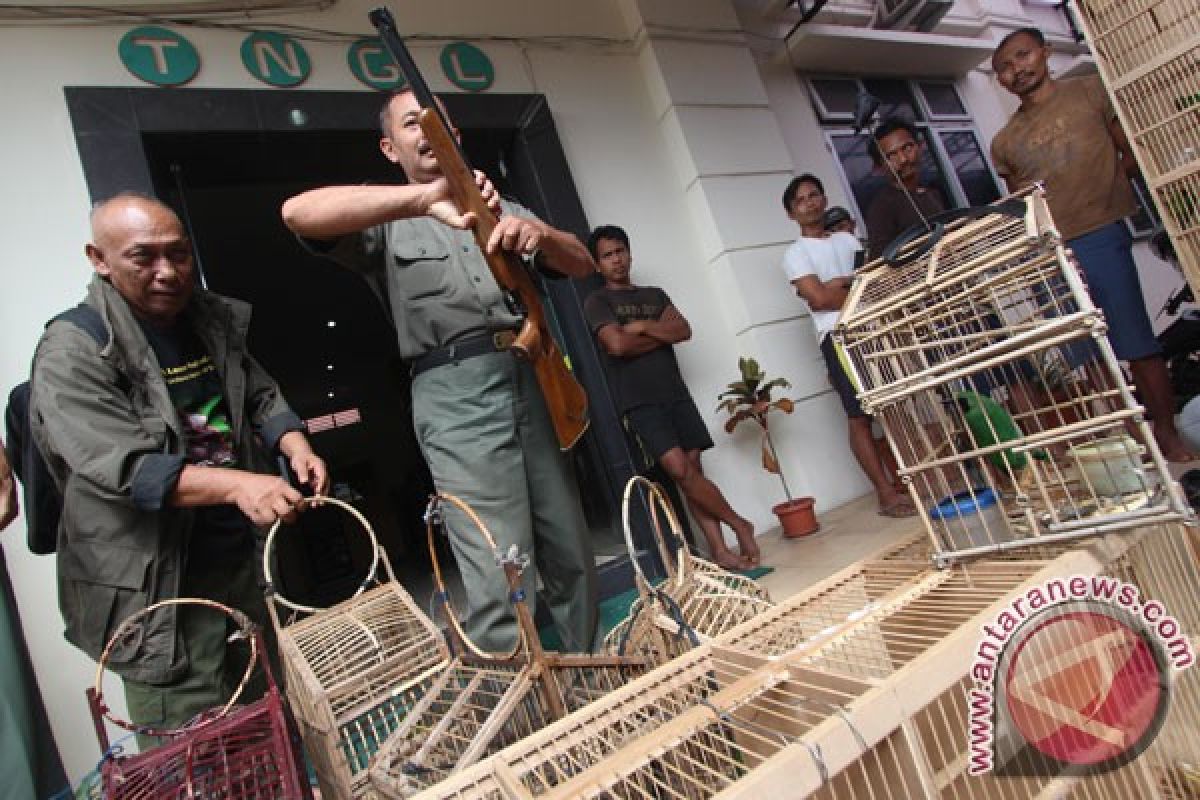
pixel 663 426
pixel 840 380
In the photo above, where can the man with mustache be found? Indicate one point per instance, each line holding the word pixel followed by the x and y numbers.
pixel 479 414
pixel 1066 135
pixel 896 148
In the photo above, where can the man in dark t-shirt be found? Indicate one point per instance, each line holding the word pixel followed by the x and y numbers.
pixel 637 327
pixel 896 149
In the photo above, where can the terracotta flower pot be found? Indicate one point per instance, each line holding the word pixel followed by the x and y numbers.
pixel 797 517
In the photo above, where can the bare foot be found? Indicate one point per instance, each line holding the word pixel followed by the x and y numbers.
pixel 744 531
pixel 1174 449
pixel 726 559
pixel 898 506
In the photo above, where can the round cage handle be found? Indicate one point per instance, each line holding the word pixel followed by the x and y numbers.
pixel 432 517
pixel 657 500
pixel 1013 207
pixel 246 630
pixel 377 554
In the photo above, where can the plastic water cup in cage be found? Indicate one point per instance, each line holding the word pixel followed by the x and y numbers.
pixel 1112 465
pixel 971 518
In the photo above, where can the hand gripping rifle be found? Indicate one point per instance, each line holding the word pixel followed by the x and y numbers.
pixel 564 396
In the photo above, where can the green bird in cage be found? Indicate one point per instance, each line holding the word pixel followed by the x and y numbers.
pixel 990 423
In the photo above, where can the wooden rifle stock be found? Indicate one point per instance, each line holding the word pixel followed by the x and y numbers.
pixel 565 398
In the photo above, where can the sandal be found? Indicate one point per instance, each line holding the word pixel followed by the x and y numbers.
pixel 900 509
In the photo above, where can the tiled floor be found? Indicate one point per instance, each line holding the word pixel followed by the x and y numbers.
pixel 847 534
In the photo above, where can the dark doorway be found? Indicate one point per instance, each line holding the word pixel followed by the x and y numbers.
pixel 317 328
pixel 227 159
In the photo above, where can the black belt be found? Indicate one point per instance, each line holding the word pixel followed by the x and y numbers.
pixel 496 342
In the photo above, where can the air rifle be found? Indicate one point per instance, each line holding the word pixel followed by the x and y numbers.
pixel 565 398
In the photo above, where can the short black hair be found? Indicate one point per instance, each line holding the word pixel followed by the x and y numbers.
pixel 889 126
pixel 614 232
pixel 1032 33
pixel 384 110
pixel 789 194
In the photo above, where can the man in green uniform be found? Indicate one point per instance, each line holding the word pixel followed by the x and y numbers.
pixel 479 415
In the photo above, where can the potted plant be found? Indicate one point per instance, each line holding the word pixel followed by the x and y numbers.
pixel 750 399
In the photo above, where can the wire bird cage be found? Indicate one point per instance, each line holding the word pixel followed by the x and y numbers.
pixel 234 752
pixel 486 701
pixel 697 601
pixel 987 365
pixel 1148 52
pixel 875 709
pixel 355 670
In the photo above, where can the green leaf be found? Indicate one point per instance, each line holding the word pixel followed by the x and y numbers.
pixel 739 389
pixel 750 398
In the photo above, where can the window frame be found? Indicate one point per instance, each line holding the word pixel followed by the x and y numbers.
pixel 927 109
pixel 943 156
pixel 824 115
pixel 937 151
pixel 931 125
pixel 828 135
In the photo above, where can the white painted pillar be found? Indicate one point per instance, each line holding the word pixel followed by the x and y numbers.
pixel 732 164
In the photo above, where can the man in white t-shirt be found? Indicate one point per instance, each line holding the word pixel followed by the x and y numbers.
pixel 820 265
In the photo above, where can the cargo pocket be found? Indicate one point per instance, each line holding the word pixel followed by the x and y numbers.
pixel 147 706
pixel 108 585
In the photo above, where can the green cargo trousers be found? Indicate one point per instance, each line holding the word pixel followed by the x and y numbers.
pixel 487 437
pixel 215 667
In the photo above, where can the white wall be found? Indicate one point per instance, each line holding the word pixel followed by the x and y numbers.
pixel 44 208
pixel 732 160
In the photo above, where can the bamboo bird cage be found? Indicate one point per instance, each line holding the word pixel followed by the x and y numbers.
pixel 486 701
pixel 1148 52
pixel 697 600
pixel 988 367
pixel 355 670
pixel 878 708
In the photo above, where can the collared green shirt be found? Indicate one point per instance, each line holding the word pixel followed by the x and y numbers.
pixel 439 287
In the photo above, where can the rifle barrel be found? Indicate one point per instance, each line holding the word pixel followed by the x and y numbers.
pixel 385 23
